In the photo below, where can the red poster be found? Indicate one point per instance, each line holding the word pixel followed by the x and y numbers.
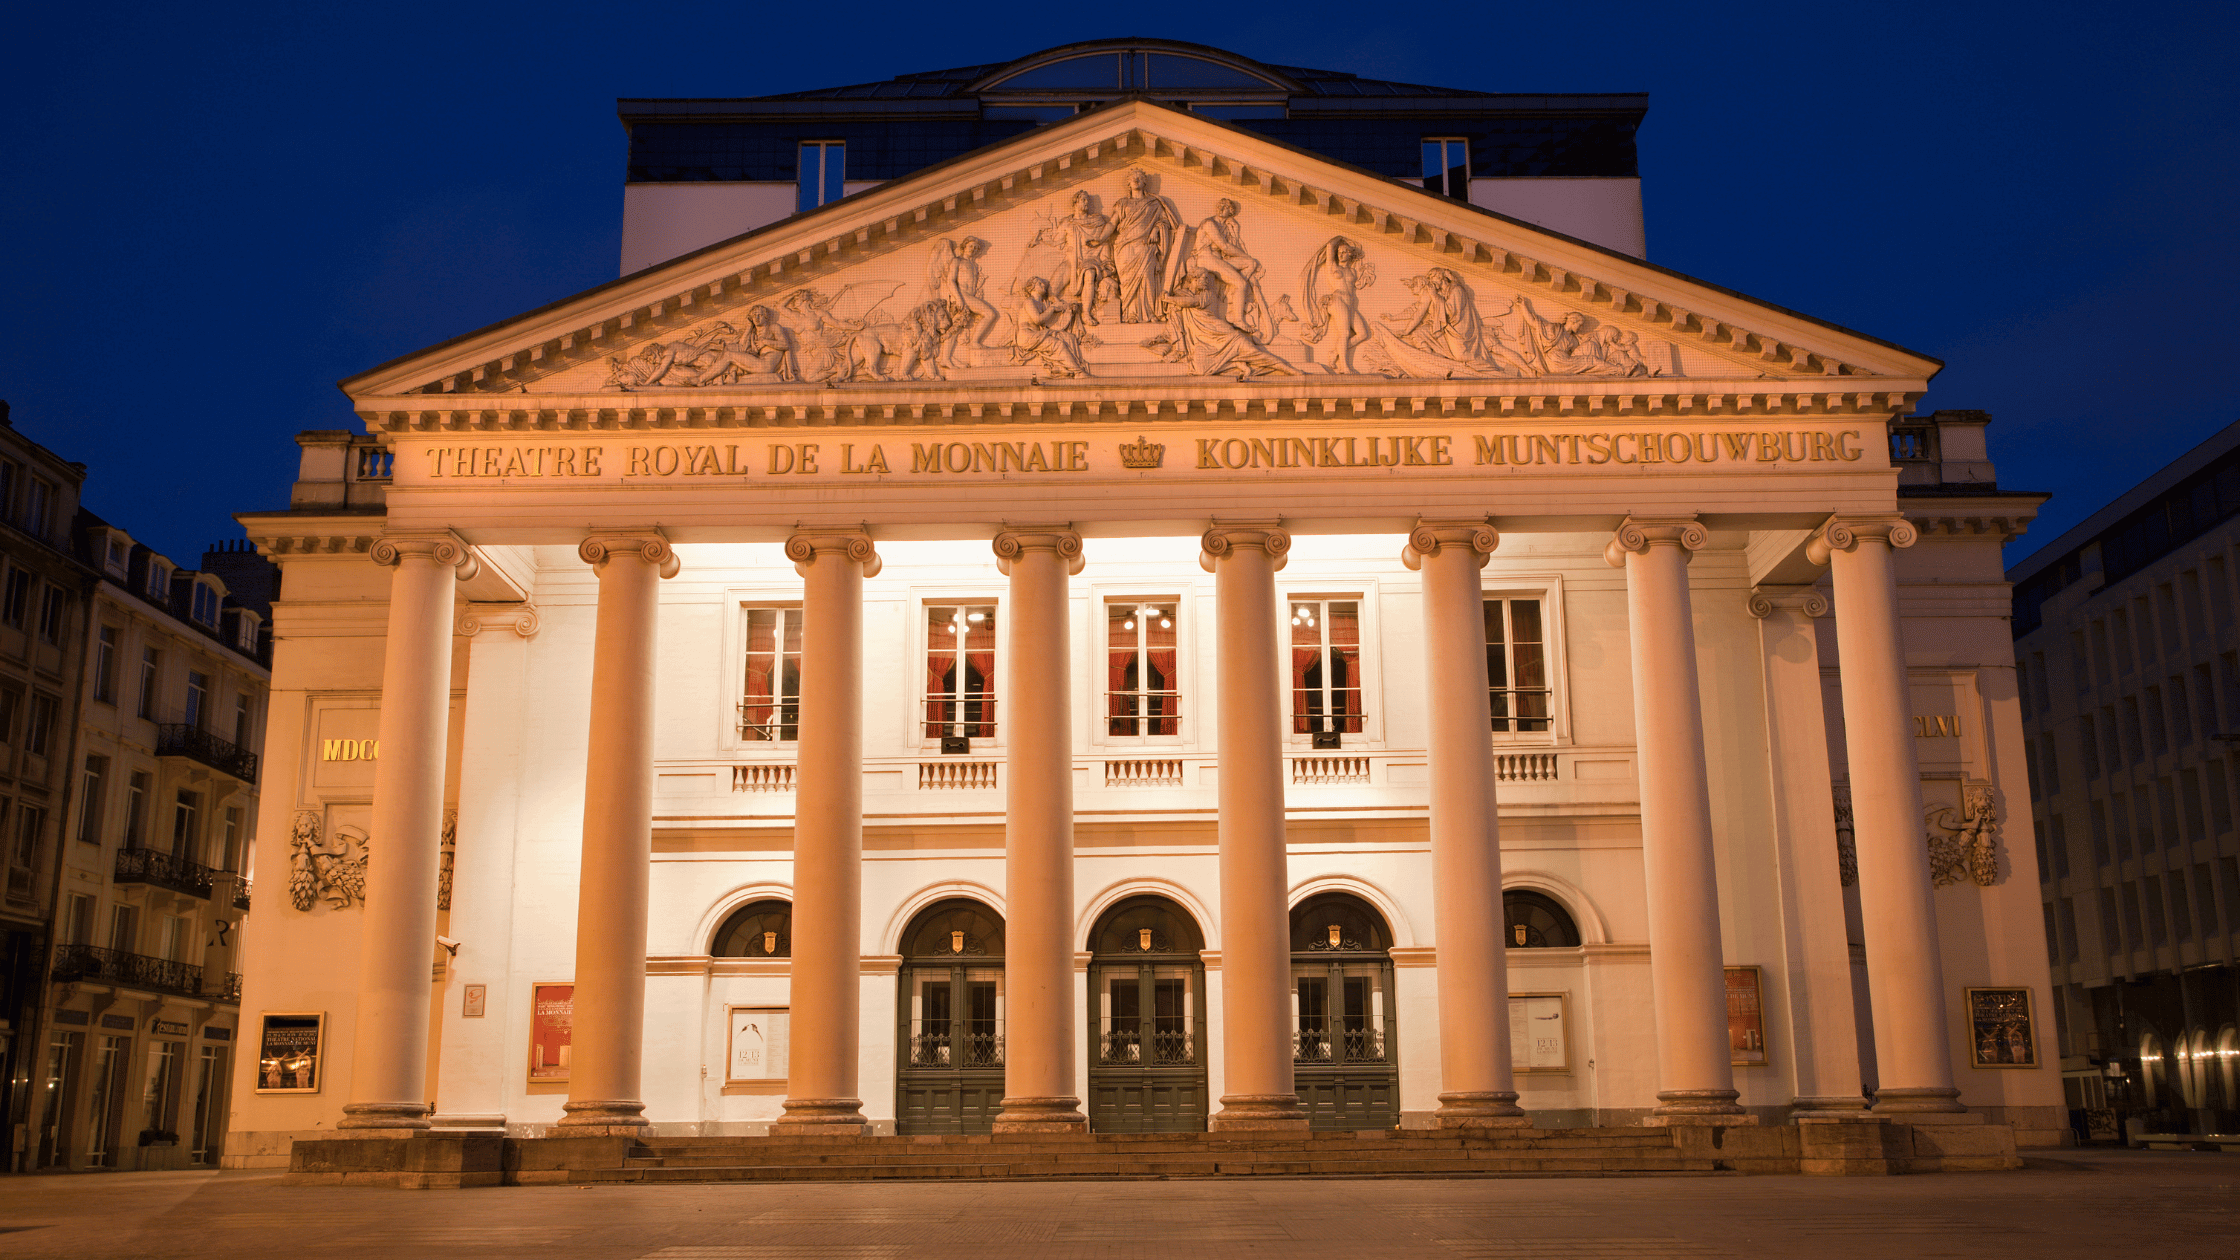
pixel 552 1021
pixel 1746 1022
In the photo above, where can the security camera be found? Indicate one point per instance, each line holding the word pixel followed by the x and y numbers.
pixel 450 946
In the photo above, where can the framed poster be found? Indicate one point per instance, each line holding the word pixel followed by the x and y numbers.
pixel 1746 1018
pixel 552 1022
pixel 1539 1039
pixel 757 1043
pixel 2001 1033
pixel 289 1048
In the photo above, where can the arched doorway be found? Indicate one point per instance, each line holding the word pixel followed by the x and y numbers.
pixel 1341 1002
pixel 949 1053
pixel 1147 1020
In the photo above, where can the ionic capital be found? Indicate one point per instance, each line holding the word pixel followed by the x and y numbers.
pixel 1844 533
pixel 649 547
pixel 1227 537
pixel 1018 539
pixel 1803 600
pixel 441 546
pixel 1637 534
pixel 522 619
pixel 1429 537
pixel 842 543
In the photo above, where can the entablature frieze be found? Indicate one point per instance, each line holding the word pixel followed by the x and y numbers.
pixel 1123 403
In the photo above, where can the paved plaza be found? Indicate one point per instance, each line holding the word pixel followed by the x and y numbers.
pixel 2088 1203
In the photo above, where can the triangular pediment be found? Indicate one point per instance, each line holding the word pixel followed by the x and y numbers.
pixel 1101 249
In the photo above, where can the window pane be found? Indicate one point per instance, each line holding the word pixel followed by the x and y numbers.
pixel 835 171
pixel 1169 71
pixel 960 671
pixel 1099 70
pixel 1345 665
pixel 1434 166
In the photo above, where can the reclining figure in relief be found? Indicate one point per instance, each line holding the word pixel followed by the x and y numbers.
pixel 1200 336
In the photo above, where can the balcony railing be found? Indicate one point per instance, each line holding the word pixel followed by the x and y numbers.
pixel 114 966
pixel 241 894
pixel 177 739
pixel 1322 1040
pixel 147 866
pixel 230 991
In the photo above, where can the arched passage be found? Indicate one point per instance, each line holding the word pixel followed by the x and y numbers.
pixel 1344 1043
pixel 949 1017
pixel 1147 1019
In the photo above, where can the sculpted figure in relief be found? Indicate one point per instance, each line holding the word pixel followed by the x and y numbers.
pixel 1217 245
pixel 1442 334
pixel 1144 228
pixel 1086 276
pixel 954 278
pixel 718 354
pixel 1574 345
pixel 1331 285
pixel 1048 330
pixel 1211 345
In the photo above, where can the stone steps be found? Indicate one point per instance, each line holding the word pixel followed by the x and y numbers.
pixel 1489 1153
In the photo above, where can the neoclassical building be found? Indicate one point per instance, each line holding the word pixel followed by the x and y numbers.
pixel 1141 626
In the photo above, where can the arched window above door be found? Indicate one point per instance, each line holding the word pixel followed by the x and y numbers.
pixel 1337 922
pixel 1536 921
pixel 1147 924
pixel 761 929
pixel 954 929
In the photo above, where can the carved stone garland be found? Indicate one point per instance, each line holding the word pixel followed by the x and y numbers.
pixel 1970 848
pixel 450 854
pixel 322 869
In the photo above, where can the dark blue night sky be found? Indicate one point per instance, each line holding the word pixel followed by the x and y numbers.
pixel 213 213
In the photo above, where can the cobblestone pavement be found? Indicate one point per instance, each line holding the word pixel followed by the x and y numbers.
pixel 2082 1203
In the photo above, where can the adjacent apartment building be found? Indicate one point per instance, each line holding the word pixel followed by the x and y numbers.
pixel 132 696
pixel 2129 664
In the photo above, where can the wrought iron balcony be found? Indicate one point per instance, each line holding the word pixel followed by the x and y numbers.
pixel 177 739
pixel 231 990
pixel 147 866
pixel 241 894
pixel 114 966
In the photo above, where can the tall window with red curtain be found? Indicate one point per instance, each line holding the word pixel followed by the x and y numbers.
pixel 1143 695
pixel 770 704
pixel 961 671
pixel 1518 694
pixel 1325 666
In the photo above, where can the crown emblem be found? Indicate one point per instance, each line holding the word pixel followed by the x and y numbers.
pixel 1141 454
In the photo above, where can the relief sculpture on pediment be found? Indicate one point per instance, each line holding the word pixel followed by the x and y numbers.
pixel 1122 276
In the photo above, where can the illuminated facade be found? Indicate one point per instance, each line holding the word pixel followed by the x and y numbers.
pixel 1141 626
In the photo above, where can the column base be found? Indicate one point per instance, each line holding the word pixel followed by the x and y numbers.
pixel 1830 1107
pixel 1248 1113
pixel 602 1117
pixel 1482 1109
pixel 822 1117
pixel 1698 1106
pixel 382 1120
pixel 1041 1115
pixel 1922 1105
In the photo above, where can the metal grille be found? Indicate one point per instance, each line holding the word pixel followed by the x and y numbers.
pixel 147 866
pixel 92 962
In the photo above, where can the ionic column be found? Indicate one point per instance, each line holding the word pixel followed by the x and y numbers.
pixel 1687 975
pixel 1255 916
pixel 1905 974
pixel 616 878
pixel 1815 947
pixel 389 1041
pixel 1478 1084
pixel 1038 1046
pixel 828 834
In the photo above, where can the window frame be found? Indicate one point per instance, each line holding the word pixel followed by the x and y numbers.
pixel 830 185
pixel 1445 176
pixel 93 796
pixel 745 611
pixel 736 601
pixel 1369 595
pixel 1102 600
pixel 108 641
pixel 921 637
pixel 1550 597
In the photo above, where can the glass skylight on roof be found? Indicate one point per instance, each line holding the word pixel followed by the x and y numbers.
pixel 1100 71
